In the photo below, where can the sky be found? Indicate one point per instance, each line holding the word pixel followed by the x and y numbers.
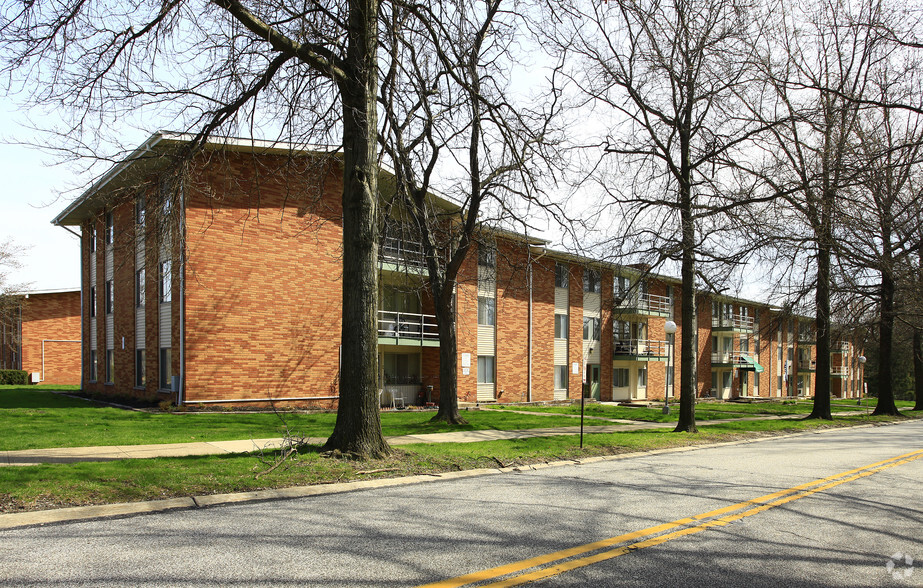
pixel 31 195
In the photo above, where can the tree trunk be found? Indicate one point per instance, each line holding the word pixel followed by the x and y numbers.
pixel 689 335
pixel 885 403
pixel 821 409
pixel 448 354
pixel 358 424
pixel 918 368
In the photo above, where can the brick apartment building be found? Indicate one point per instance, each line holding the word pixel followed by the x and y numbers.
pixel 224 287
pixel 42 337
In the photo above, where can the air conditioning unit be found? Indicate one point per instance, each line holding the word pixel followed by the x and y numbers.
pixel 35 377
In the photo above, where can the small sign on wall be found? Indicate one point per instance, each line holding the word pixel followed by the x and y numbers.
pixel 466 360
pixel 466 371
pixel 575 368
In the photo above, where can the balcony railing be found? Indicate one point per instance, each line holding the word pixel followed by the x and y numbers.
pixel 407 325
pixel 807 366
pixel 644 304
pixel 735 321
pixel 639 348
pixel 841 371
pixel 402 253
pixel 732 357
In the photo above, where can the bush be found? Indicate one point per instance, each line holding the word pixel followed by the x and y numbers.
pixel 15 377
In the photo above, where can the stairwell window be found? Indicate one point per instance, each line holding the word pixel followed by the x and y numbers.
pixel 561 274
pixel 139 288
pixel 486 369
pixel 487 256
pixel 487 311
pixel 590 329
pixel 591 281
pixel 110 297
pixel 560 326
pixel 166 281
pixel 560 377
pixel 110 229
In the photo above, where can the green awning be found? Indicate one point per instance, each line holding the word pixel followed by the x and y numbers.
pixel 748 363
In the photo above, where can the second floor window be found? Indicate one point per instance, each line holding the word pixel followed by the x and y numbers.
pixel 139 287
pixel 110 229
pixel 487 311
pixel 166 281
pixel 487 256
pixel 110 297
pixel 590 329
pixel 561 272
pixel 560 326
pixel 591 281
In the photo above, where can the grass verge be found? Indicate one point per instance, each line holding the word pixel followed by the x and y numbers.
pixel 61 485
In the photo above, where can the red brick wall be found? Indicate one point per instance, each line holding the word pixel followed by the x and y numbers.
pixel 543 330
pixel 263 287
pixel 575 333
pixel 466 303
pixel 54 317
pixel 703 320
pixel 512 321
pixel 605 336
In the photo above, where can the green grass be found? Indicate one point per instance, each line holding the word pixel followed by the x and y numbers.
pixel 61 485
pixel 34 417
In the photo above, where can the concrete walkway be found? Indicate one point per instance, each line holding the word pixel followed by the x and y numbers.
pixel 25 457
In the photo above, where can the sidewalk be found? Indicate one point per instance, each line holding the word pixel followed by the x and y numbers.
pixel 24 457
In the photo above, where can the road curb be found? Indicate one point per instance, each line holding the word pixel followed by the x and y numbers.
pixel 86 513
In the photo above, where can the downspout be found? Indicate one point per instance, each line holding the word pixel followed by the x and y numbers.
pixel 180 393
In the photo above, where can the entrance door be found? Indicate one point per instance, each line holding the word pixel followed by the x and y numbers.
pixel 744 383
pixel 594 381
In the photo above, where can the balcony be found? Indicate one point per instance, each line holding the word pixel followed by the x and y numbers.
pixel 839 371
pixel 807 367
pixel 734 323
pixel 642 305
pixel 407 328
pixel 401 255
pixel 736 359
pixel 639 350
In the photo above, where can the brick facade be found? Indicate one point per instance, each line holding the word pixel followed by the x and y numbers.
pixel 49 336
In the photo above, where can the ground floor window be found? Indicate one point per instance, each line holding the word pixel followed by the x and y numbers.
pixel 560 377
pixel 401 368
pixel 110 365
pixel 93 362
pixel 139 368
pixel 486 369
pixel 620 378
pixel 166 368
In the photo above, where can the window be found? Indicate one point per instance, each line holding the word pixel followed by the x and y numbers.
pixel 560 377
pixel 140 210
pixel 642 377
pixel 166 369
pixel 591 281
pixel 622 285
pixel 139 287
pixel 92 237
pixel 110 230
pixel 590 329
pixel 93 365
pixel 92 301
pixel 139 368
pixel 621 330
pixel 110 297
pixel 561 273
pixel 487 256
pixel 560 326
pixel 166 281
pixel 486 368
pixel 487 311
pixel 726 380
pixel 620 378
pixel 110 365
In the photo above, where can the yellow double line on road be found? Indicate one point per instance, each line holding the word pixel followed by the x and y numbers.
pixel 552 564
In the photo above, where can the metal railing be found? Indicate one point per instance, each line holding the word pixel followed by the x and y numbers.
pixel 734 321
pixel 732 357
pixel 639 347
pixel 401 252
pixel 644 303
pixel 807 365
pixel 407 325
pixel 839 370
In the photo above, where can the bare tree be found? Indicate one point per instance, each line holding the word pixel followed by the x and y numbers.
pixel 305 71
pixel 668 75
pixel 445 106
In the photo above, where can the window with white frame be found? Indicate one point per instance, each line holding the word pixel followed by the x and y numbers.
pixel 139 287
pixel 560 326
pixel 642 377
pixel 620 377
pixel 487 311
pixel 591 282
pixel 560 377
pixel 561 275
pixel 166 281
pixel 590 328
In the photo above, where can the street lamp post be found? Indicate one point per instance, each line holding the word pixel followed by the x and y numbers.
pixel 670 329
pixel 862 380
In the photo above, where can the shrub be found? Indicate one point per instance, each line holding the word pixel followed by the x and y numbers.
pixel 15 377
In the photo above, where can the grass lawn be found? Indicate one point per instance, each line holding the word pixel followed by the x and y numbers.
pixel 35 417
pixel 61 485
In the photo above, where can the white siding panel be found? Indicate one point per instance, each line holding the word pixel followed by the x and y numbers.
pixel 561 300
pixel 560 352
pixel 560 394
pixel 591 304
pixel 139 328
pixel 485 392
pixel 166 330
pixel 592 357
pixel 93 338
pixel 110 331
pixel 486 340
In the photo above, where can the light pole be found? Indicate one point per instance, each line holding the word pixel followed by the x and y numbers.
pixel 862 380
pixel 669 328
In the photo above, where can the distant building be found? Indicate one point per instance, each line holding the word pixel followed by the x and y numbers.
pixel 42 337
pixel 224 286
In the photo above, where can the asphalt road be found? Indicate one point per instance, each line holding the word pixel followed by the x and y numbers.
pixel 840 531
